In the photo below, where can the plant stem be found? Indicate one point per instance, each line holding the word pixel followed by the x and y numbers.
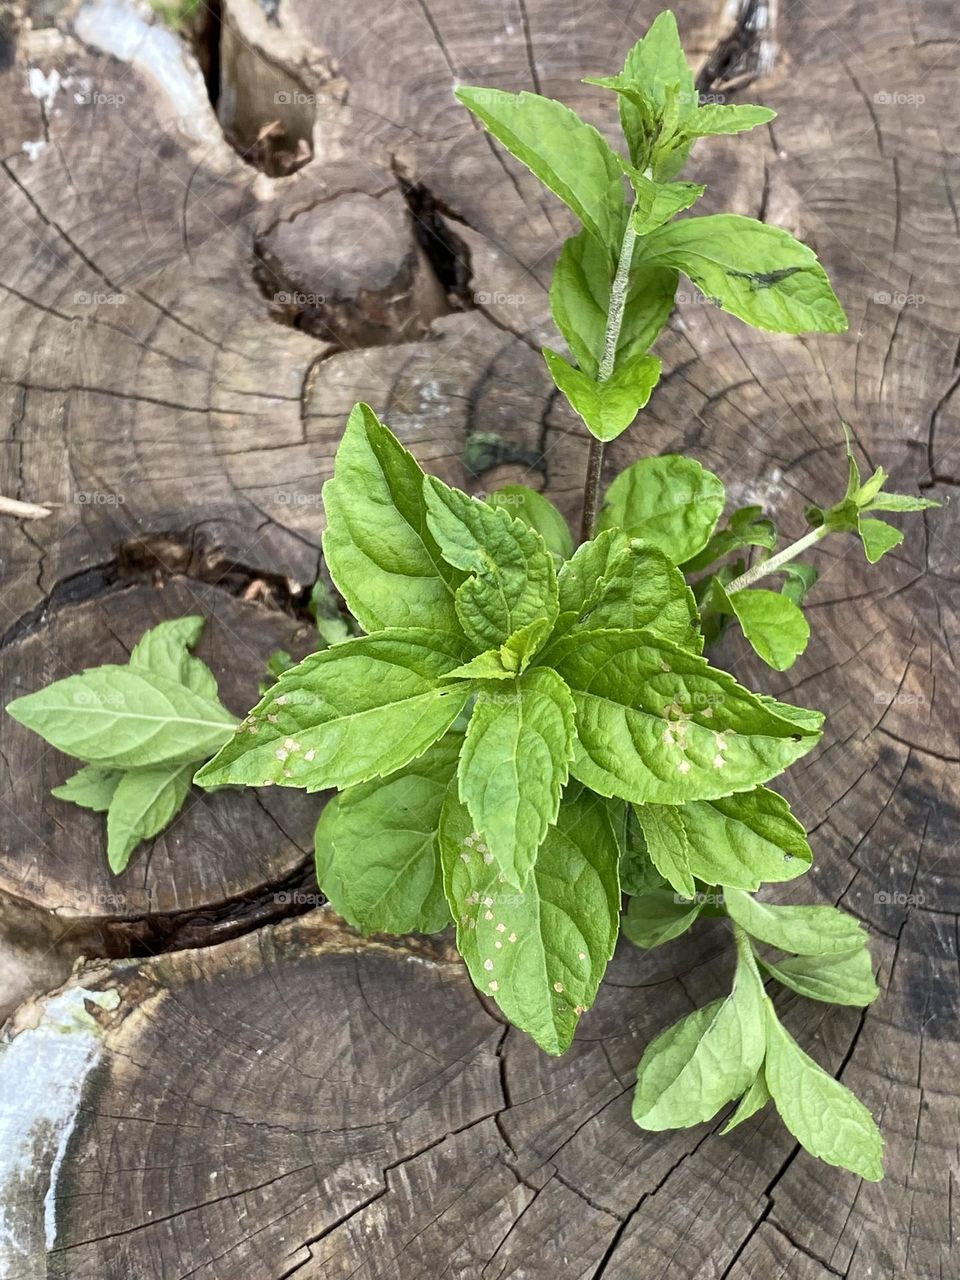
pixel 764 567
pixel 618 300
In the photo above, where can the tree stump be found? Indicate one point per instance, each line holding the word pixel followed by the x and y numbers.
pixel 194 299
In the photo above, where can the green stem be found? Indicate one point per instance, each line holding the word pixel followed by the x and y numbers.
pixel 618 301
pixel 765 567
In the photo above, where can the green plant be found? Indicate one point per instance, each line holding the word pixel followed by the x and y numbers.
pixel 526 732
pixel 141 730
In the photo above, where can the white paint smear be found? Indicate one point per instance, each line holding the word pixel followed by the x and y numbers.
pixel 120 28
pixel 42 1073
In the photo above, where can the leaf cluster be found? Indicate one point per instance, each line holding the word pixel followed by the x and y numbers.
pixel 525 732
pixel 624 263
pixel 141 729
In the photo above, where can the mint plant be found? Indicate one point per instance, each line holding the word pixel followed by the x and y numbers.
pixel 141 730
pixel 525 732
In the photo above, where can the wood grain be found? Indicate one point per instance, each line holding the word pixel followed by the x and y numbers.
pixel 298 1101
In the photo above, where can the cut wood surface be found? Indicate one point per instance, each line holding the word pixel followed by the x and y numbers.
pixel 191 306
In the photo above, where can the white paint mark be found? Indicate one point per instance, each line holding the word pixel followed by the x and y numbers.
pixel 119 28
pixel 42 1073
pixel 44 88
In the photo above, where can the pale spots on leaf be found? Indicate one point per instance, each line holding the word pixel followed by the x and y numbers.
pixel 558 987
pixel 512 938
pixel 493 986
pixel 488 965
pixel 683 766
pixel 501 928
pixel 488 915
pixel 309 755
pixel 282 753
pixel 718 761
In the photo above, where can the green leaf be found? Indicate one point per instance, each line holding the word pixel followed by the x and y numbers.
pixel 713 118
pixel 821 1113
pixel 514 764
pixel 539 513
pixel 378 549
pixel 744 840
pixel 165 649
pixel 805 930
pixel 746 527
pixel 877 537
pixel 799 578
pixel 510 660
pixel 357 711
pixel 331 624
pixel 774 626
pixel 568 155
pixel 628 585
pixel 513 580
pixel 657 725
pixel 144 802
pixel 580 300
pixel 655 916
pixel 124 717
pixel 842 978
pixel 607 408
pixel 667 845
pixel 542 952
pixel 580 581
pixel 756 272
pixel 378 860
pixel 90 787
pixel 754 1100
pixel 670 501
pixel 278 662
pixel 900 502
pixel 806 719
pixel 658 202
pixel 655 77
pixel 706 1059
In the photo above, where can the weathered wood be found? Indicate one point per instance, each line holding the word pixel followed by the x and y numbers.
pixel 391 1127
